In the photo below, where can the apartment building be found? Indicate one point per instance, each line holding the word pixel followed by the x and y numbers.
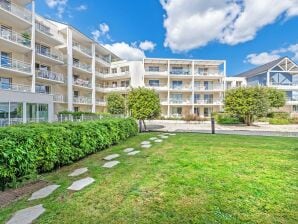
pixel 281 74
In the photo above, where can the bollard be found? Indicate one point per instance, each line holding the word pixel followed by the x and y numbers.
pixel 212 125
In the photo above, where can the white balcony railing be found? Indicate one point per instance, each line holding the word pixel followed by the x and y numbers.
pixel 181 87
pixel 156 72
pixel 15 65
pixel 291 85
pixel 160 86
pixel 82 82
pixel 82 100
pixel 101 102
pixel 180 101
pixel 16 10
pixel 82 66
pixel 209 74
pixel 50 75
pixel 52 54
pixel 106 88
pixel 214 87
pixel 15 87
pixel 102 60
pixel 180 72
pixel 48 29
pixel 81 48
pixel 15 37
pixel 208 102
pixel 59 99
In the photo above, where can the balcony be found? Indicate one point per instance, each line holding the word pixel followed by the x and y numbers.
pixel 285 86
pixel 208 102
pixel 158 87
pixel 84 50
pixel 215 87
pixel 49 75
pixel 180 101
pixel 20 41
pixel 82 67
pixel 180 72
pixel 13 11
pixel 156 73
pixel 59 99
pixel 82 83
pixel 116 75
pixel 49 32
pixel 291 101
pixel 82 100
pixel 102 60
pixel 209 74
pixel 164 101
pixel 11 65
pixel 15 87
pixel 50 56
pixel 112 88
pixel 101 102
pixel 181 87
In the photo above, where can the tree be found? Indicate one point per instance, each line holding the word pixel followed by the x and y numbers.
pixel 143 104
pixel 247 102
pixel 277 98
pixel 116 103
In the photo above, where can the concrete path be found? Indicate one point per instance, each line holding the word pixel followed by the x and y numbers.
pixel 27 215
pixel 44 192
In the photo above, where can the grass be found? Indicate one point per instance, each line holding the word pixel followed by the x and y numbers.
pixel 189 178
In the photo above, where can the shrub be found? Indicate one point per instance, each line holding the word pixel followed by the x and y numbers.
pixel 116 103
pixel 224 118
pixel 279 121
pixel 194 117
pixel 35 148
pixel 281 115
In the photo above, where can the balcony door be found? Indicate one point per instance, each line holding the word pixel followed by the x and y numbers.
pixel 6 60
pixel 42 49
pixel 177 84
pixel 6 4
pixel 5 83
pixel 44 89
pixel 6 32
pixel 153 82
pixel 208 98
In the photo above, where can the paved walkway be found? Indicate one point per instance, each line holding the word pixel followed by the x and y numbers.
pixel 205 127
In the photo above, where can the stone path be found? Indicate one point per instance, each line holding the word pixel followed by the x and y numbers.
pixel 80 184
pixel 111 157
pixel 128 150
pixel 27 215
pixel 153 138
pixel 146 146
pixel 145 143
pixel 44 192
pixel 158 140
pixel 78 172
pixel 133 153
pixel 110 164
pixel 164 136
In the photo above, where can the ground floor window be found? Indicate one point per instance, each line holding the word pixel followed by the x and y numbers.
pixel 11 113
pixel 177 111
pixel 207 112
pixel 197 111
pixel 295 108
pixel 37 112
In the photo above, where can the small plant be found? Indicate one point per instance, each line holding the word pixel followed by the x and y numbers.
pixel 224 118
pixel 27 38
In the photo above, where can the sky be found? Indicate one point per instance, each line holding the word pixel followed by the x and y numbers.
pixel 245 33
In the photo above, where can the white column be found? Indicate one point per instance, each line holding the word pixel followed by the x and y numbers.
pixel 193 87
pixel 69 70
pixel 24 112
pixel 168 88
pixel 33 48
pixel 93 80
pixel 268 78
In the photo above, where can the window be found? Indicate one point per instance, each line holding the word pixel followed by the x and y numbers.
pixel 197 98
pixel 43 112
pixel 6 32
pixel 124 69
pixel 207 112
pixel 176 98
pixel 42 67
pixel 42 89
pixel 43 28
pixel 197 111
pixel 203 71
pixel 177 84
pixel 208 85
pixel 4 114
pixel 295 108
pixel 76 109
pixel 75 93
pixel 208 98
pixel 16 113
pixel 125 83
pixel 75 61
pixel 177 111
pixel 5 83
pixel 197 84
pixel 6 59
pixel 153 69
pixel 6 4
pixel 114 84
pixel 153 82
pixel 238 83
pixel 229 85
pixel 42 49
pixel 177 70
pixel 114 70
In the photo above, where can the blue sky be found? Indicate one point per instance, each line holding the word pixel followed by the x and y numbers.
pixel 246 33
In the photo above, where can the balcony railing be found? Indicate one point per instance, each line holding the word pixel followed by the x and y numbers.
pixel 208 87
pixel 83 49
pixel 18 11
pixel 157 86
pixel 55 55
pixel 45 74
pixel 180 72
pixel 82 82
pixel 208 101
pixel 15 87
pixel 82 100
pixel 208 73
pixel 101 102
pixel 59 98
pixel 102 59
pixel 15 65
pixel 15 37
pixel 82 66
pixel 48 29
pixel 285 85
pixel 180 101
pixel 112 88
pixel 181 87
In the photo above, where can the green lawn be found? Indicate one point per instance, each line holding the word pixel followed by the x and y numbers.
pixel 189 178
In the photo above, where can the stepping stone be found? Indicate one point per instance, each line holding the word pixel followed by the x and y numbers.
pixel 111 157
pixel 133 153
pixel 44 192
pixel 27 215
pixel 145 143
pixel 146 146
pixel 158 140
pixel 78 172
pixel 110 164
pixel 152 139
pixel 164 137
pixel 80 184
pixel 172 134
pixel 128 150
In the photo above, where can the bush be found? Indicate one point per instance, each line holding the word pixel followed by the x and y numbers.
pixel 279 121
pixel 35 148
pixel 280 115
pixel 194 117
pixel 224 118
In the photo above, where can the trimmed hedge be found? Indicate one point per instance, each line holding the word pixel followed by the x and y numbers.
pixel 35 148
pixel 224 118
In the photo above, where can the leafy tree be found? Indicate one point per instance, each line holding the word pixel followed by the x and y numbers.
pixel 143 104
pixel 277 98
pixel 247 102
pixel 116 103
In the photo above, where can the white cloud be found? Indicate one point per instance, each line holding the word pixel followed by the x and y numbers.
pixel 147 45
pixel 103 30
pixel 126 51
pixel 59 5
pixel 81 8
pixel 191 24
pixel 264 57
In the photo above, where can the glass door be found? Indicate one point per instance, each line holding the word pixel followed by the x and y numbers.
pixel 5 83
pixel 6 60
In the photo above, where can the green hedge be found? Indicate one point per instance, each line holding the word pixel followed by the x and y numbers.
pixel 35 148
pixel 224 118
